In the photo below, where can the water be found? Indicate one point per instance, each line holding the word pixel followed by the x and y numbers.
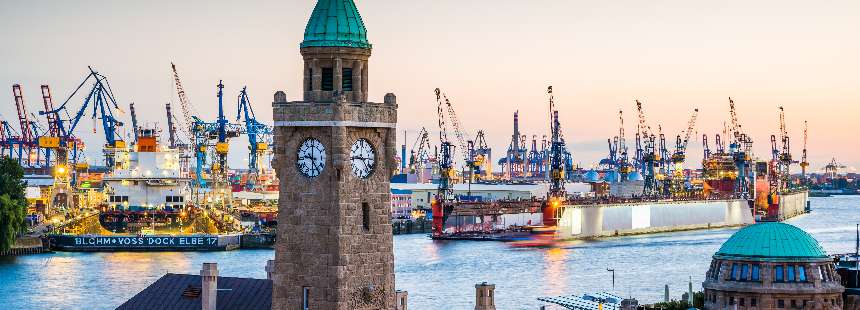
pixel 435 273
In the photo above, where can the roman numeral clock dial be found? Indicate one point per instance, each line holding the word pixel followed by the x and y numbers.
pixel 311 158
pixel 363 158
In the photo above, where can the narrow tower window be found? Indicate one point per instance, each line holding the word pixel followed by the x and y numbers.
pixel 310 85
pixel 327 79
pixel 347 79
pixel 306 292
pixel 365 216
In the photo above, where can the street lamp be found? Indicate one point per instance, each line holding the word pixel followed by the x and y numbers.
pixel 613 277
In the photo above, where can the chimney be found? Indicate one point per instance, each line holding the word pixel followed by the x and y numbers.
pixel 400 300
pixel 270 269
pixel 484 299
pixel 209 291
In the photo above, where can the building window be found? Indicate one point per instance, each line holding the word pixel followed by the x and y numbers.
pixel 745 273
pixel 327 79
pixel 347 79
pixel 306 296
pixel 309 86
pixel 731 301
pixel 752 302
pixel 780 303
pixel 365 216
pixel 790 274
pixel 734 275
pixel 793 303
pixel 741 302
pixel 717 271
pixel 801 274
pixel 778 274
pixel 755 273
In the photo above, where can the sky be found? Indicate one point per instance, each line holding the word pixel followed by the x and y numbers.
pixel 491 57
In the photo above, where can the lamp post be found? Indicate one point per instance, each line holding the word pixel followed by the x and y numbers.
pixel 613 277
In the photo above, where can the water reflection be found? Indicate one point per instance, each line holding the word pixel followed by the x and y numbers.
pixel 555 271
pixel 438 275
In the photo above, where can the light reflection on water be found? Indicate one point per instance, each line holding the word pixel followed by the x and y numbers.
pixel 435 273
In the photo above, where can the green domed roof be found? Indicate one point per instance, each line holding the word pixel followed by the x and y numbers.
pixel 771 241
pixel 335 23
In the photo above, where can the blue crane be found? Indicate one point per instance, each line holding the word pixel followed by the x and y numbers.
pixel 259 135
pixel 103 104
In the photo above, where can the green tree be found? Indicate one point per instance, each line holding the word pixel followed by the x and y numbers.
pixel 13 205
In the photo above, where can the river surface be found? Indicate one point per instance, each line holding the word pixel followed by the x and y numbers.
pixel 437 275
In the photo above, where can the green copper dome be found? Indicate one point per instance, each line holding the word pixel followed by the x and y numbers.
pixel 771 242
pixel 335 23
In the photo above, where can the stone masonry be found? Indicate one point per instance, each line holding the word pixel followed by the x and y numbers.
pixel 323 248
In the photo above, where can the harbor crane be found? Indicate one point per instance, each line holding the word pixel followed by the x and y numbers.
pixel 443 204
pixel 785 159
pixel 481 154
pixel 103 103
pixel 804 163
pixel 259 134
pixel 26 139
pixel 680 154
pixel 557 192
pixel 133 120
pixel 171 127
pixel 420 154
pixel 651 153
pixel 187 115
pixel 740 147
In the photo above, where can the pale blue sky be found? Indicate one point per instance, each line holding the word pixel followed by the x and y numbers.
pixel 491 57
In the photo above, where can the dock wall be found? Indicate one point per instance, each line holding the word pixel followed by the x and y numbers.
pixel 588 221
pixel 792 204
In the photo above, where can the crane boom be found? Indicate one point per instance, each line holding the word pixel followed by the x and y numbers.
pixel 23 116
pixel 183 100
pixel 171 128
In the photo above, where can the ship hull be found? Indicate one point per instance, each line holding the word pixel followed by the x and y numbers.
pixel 604 220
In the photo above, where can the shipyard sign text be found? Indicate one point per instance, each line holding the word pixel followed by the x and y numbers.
pixel 145 241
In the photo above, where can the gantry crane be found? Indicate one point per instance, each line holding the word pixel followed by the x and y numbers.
pixel 103 103
pixel 259 134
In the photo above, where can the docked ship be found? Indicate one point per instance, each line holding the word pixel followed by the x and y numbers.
pixel 147 192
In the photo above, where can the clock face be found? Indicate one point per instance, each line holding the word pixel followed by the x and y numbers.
pixel 311 158
pixel 363 158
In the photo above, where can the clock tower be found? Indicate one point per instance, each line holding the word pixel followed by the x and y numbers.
pixel 334 156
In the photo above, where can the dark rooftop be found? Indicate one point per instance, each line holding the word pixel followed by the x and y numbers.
pixel 182 291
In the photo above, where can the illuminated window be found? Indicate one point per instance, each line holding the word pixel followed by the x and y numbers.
pixel 790 276
pixel 801 274
pixel 755 273
pixel 745 271
pixel 778 274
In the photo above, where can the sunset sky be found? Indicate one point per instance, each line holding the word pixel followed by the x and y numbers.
pixel 492 58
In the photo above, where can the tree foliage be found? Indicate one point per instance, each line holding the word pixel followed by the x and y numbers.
pixel 13 205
